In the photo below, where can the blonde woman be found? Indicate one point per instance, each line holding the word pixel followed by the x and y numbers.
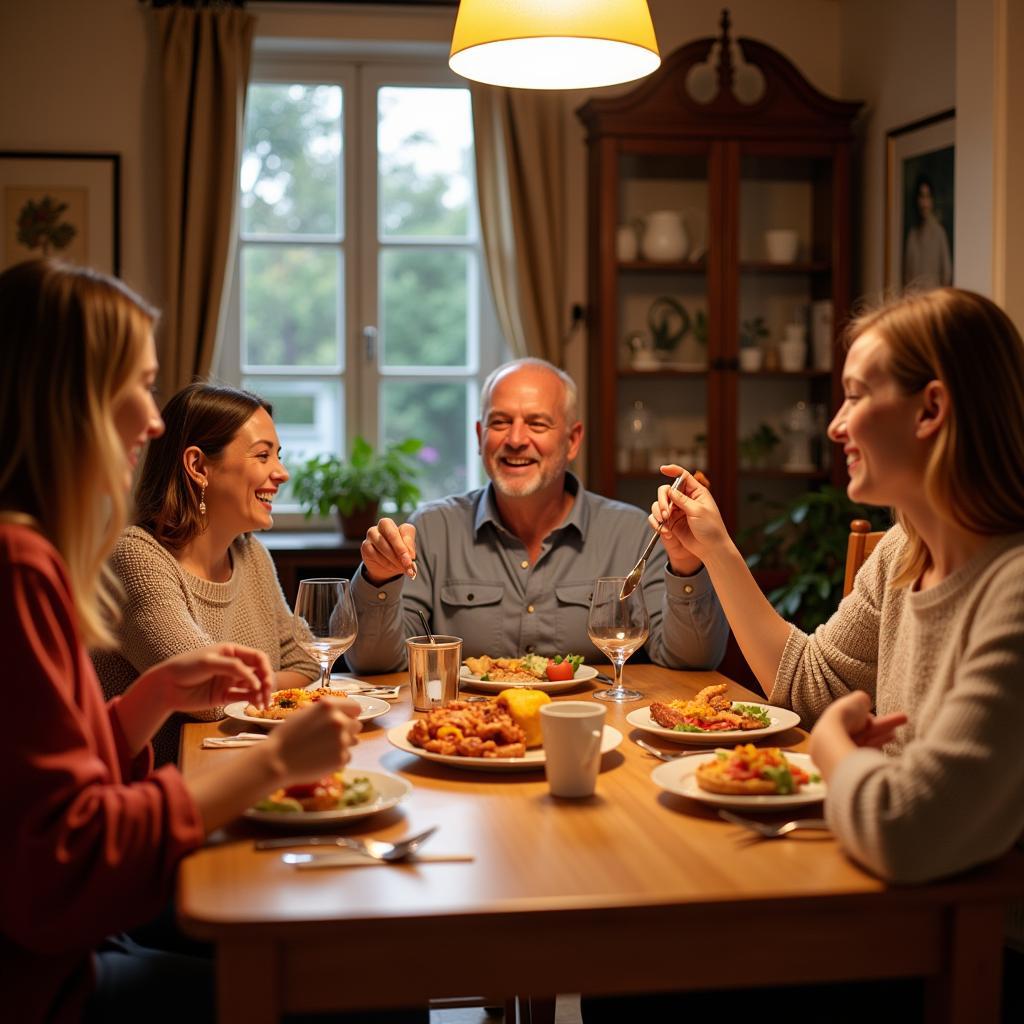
pixel 93 835
pixel 925 658
pixel 192 572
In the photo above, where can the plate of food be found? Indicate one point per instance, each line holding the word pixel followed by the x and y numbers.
pixel 341 796
pixel 493 736
pixel 552 675
pixel 284 703
pixel 745 777
pixel 711 717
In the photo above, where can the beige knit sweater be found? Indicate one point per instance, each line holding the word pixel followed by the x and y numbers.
pixel 948 793
pixel 168 610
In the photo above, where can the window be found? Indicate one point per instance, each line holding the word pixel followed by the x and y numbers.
pixel 360 301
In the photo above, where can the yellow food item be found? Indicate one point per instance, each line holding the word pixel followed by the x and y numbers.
pixel 523 705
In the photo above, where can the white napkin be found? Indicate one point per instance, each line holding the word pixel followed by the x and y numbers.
pixel 242 739
pixel 352 685
pixel 354 859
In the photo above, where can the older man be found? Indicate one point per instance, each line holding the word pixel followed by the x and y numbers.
pixel 510 567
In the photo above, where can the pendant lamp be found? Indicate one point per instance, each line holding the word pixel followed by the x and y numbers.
pixel 553 44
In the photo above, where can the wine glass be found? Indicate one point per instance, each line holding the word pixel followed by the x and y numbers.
pixel 325 621
pixel 617 627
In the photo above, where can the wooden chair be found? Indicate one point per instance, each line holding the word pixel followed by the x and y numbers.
pixel 861 543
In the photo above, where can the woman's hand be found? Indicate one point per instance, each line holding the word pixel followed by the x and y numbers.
pixel 317 740
pixel 688 520
pixel 849 723
pixel 389 550
pixel 211 676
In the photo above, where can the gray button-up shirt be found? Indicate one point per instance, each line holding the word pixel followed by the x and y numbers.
pixel 475 581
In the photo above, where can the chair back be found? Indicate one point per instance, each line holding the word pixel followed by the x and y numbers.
pixel 861 543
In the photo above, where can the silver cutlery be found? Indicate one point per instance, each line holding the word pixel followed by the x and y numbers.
pixel 374 848
pixel 665 755
pixel 630 583
pixel 767 830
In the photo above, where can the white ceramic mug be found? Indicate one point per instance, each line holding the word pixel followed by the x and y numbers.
pixel 781 245
pixel 572 731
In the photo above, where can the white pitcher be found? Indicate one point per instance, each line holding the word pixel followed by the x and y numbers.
pixel 665 238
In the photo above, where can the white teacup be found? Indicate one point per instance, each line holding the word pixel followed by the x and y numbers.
pixel 572 731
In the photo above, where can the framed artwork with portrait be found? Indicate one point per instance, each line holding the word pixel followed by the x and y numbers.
pixel 920 170
pixel 65 205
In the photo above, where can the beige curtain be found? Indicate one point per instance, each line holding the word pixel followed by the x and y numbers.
pixel 520 169
pixel 205 55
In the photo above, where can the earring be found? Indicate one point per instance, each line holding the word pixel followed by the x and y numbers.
pixel 202 501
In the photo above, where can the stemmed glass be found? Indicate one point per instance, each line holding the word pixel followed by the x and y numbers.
pixel 325 621
pixel 617 627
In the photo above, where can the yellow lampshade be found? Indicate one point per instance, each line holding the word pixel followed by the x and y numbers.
pixel 553 44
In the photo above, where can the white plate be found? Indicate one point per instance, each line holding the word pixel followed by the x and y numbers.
pixel 680 777
pixel 398 735
pixel 390 790
pixel 583 674
pixel 372 707
pixel 781 719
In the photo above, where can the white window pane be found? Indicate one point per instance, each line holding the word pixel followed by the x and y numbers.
pixel 425 304
pixel 291 306
pixel 425 168
pixel 437 412
pixel 291 162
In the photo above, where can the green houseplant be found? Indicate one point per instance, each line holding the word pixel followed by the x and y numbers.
pixel 807 539
pixel 356 486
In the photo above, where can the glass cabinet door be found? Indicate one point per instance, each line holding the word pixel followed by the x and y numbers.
pixel 784 335
pixel 662 322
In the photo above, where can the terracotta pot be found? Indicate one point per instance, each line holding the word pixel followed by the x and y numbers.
pixel 354 527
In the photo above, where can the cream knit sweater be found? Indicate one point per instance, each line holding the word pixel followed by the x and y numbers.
pixel 168 610
pixel 948 793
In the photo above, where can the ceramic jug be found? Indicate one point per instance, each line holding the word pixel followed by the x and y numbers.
pixel 664 237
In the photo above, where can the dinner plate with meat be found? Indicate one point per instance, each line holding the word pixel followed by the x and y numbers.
pixel 338 797
pixel 552 675
pixel 745 778
pixel 275 713
pixel 712 717
pixel 477 736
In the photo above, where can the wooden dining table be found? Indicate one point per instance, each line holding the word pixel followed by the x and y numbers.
pixel 630 890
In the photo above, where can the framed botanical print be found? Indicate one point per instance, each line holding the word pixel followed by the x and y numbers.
pixel 65 205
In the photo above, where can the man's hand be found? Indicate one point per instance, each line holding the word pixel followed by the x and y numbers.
pixel 389 550
pixel 211 676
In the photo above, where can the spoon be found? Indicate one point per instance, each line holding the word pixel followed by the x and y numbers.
pixel 632 581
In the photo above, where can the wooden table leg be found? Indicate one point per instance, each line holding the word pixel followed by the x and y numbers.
pixel 248 984
pixel 969 988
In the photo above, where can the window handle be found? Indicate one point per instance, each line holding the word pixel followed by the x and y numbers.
pixel 370 342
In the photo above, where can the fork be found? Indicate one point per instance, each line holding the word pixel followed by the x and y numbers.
pixel 770 831
pixel 664 755
pixel 370 847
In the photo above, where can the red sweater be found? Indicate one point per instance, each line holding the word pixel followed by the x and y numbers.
pixel 91 837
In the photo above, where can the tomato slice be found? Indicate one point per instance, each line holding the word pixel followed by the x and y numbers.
pixel 563 670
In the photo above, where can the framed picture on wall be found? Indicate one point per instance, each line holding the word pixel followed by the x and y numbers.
pixel 65 205
pixel 919 176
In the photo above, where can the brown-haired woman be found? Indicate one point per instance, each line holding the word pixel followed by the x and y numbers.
pixel 94 835
pixel 192 573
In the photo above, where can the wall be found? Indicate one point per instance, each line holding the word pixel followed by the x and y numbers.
pixel 81 77
pixel 900 60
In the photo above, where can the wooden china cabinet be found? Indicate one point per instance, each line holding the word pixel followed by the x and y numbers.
pixel 752 160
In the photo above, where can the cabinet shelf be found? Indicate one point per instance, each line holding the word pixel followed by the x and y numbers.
pixel 665 267
pixel 786 374
pixel 797 267
pixel 629 371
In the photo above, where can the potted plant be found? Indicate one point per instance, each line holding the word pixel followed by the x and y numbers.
pixel 808 542
pixel 752 332
pixel 356 487
pixel 756 448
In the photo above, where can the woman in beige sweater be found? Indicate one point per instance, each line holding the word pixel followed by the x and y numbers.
pixel 933 634
pixel 192 572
